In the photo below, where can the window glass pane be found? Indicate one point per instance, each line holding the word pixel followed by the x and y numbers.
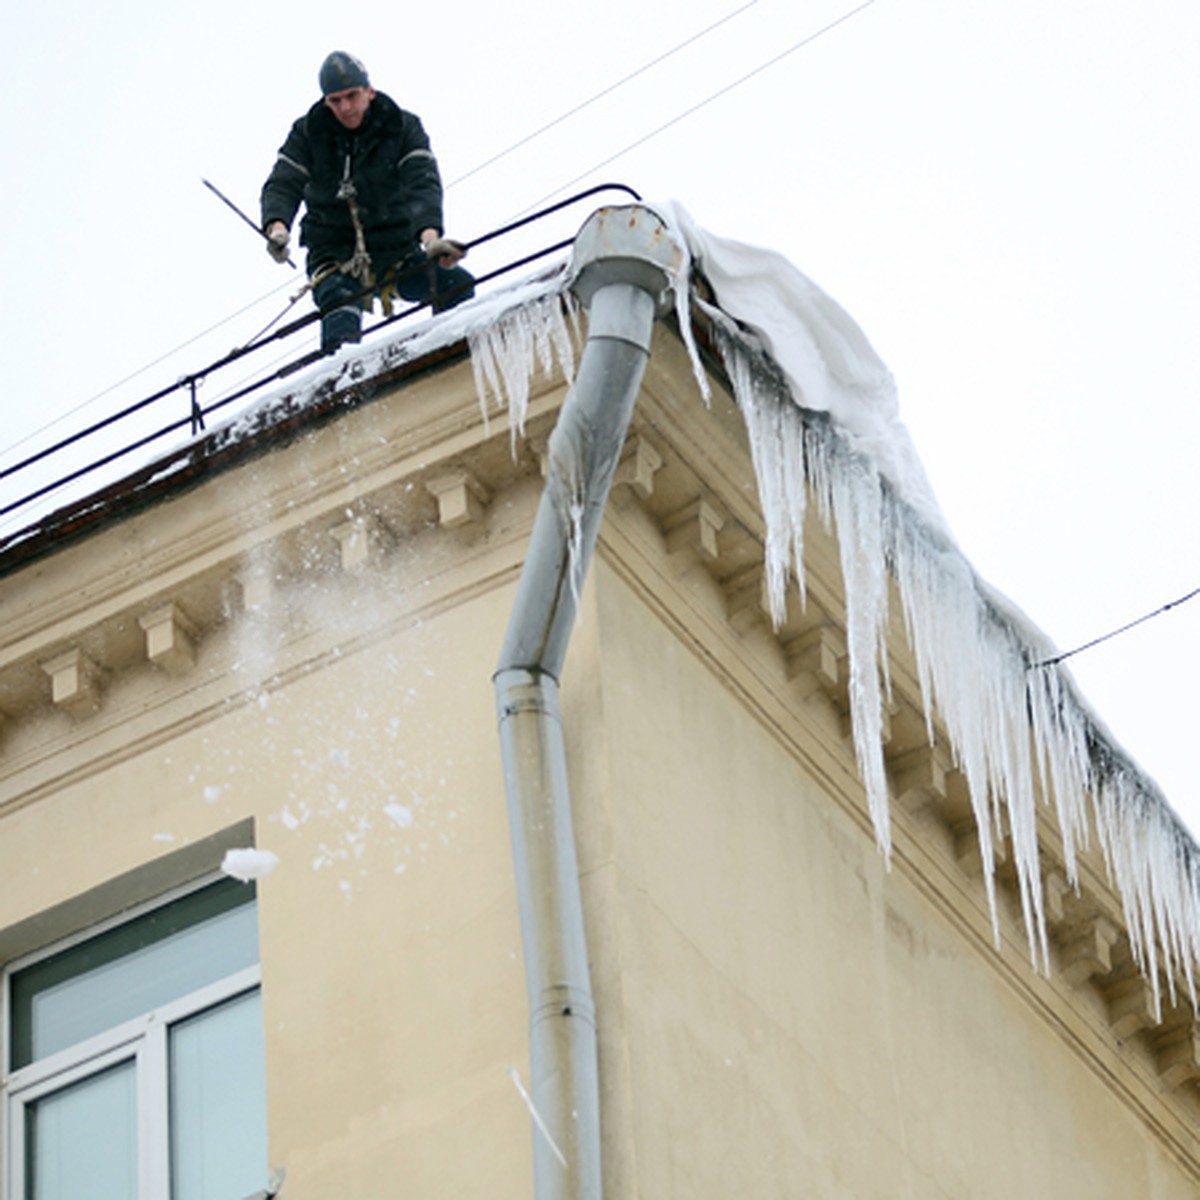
pixel 218 1102
pixel 82 1141
pixel 132 969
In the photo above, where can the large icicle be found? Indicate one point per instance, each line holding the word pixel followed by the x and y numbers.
pixel 1017 730
pixel 976 661
pixel 504 351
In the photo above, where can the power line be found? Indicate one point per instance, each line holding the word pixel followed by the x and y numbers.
pixel 112 387
pixel 729 87
pixel 1050 662
pixel 612 87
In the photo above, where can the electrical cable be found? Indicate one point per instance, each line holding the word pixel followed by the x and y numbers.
pixel 729 87
pixel 612 87
pixel 112 387
pixel 1051 662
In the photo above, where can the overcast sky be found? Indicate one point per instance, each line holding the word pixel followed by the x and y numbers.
pixel 1003 193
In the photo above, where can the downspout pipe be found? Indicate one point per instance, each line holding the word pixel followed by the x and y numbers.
pixel 624 264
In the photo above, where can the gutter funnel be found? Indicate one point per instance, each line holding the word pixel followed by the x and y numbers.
pixel 624 265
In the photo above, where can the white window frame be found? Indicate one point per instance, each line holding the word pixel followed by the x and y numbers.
pixel 142 1040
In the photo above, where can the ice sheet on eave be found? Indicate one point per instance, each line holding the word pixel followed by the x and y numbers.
pixel 823 420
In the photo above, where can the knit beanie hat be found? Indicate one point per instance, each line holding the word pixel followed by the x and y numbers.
pixel 341 71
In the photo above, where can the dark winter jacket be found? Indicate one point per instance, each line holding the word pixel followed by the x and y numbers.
pixel 395 176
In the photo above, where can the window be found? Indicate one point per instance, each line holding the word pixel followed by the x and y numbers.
pixel 135 1058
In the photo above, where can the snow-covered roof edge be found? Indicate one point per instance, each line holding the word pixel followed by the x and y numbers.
pixel 513 329
pixel 822 416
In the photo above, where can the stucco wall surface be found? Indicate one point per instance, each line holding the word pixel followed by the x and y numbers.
pixel 792 1019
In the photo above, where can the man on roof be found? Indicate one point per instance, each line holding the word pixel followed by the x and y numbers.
pixel 372 199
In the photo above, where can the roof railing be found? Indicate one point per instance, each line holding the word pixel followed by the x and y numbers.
pixel 188 384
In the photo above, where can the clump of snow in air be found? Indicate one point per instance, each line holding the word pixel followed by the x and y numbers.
pixel 249 864
pixel 400 814
pixel 822 415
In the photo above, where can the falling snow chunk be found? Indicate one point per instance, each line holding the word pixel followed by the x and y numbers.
pixel 212 793
pixel 542 1127
pixel 822 415
pixel 398 813
pixel 249 864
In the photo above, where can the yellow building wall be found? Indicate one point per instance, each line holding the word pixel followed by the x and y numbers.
pixel 789 1018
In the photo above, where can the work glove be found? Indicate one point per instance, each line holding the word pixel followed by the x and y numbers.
pixel 446 251
pixel 277 242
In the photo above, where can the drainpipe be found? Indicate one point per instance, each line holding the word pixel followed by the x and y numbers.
pixel 624 263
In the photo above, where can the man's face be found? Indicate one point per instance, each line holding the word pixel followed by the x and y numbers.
pixel 351 105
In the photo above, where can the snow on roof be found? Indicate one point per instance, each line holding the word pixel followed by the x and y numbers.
pixel 89 479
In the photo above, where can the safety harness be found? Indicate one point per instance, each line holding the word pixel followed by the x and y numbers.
pixel 358 265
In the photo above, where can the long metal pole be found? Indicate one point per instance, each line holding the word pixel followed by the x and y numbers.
pixel 220 195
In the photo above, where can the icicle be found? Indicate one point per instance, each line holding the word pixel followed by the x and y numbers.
pixel 682 292
pixel 505 352
pixel 1014 732
pixel 542 1128
pixel 777 446
pixel 778 449
pixel 679 224
pixel 855 497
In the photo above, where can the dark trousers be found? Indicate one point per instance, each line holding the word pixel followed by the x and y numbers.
pixel 339 299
